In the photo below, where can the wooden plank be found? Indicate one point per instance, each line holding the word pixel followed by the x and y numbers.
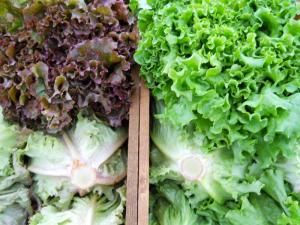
pixel 133 151
pixel 143 197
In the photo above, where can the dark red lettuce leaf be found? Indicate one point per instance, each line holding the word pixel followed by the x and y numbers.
pixel 66 58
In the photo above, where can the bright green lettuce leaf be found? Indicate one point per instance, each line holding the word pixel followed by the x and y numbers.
pixel 8 138
pixel 268 207
pixel 17 172
pixel 170 205
pixel 93 209
pixel 249 209
pixel 294 213
pixel 136 5
pixel 80 159
pixel 10 14
pixel 227 70
pixel 11 135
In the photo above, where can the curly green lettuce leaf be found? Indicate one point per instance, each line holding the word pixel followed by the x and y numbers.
pixel 88 155
pixel 294 213
pixel 249 214
pixel 11 135
pixel 249 209
pixel 226 70
pixel 93 209
pixel 273 181
pixel 136 5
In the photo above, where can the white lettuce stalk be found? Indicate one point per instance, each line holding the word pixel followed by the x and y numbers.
pixel 186 159
pixel 78 160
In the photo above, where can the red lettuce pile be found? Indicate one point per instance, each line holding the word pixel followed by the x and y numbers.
pixel 66 56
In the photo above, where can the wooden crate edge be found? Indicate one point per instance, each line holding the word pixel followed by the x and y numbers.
pixel 133 151
pixel 144 148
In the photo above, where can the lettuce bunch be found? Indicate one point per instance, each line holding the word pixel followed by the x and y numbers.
pixel 191 186
pixel 227 69
pixel 58 57
pixel 225 78
pixel 72 178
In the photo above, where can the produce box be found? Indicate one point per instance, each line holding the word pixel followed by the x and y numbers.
pixel 133 153
pixel 144 148
pixel 69 105
pixel 219 151
pixel 21 175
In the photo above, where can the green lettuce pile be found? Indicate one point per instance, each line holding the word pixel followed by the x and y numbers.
pixel 191 186
pixel 225 76
pixel 227 69
pixel 71 178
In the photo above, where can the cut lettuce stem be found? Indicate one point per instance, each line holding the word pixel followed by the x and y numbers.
pixel 83 176
pixel 193 167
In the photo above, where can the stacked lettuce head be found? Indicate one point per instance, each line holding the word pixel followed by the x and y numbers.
pixel 191 186
pixel 228 70
pixel 71 178
pixel 58 57
pixel 225 78
pixel 65 88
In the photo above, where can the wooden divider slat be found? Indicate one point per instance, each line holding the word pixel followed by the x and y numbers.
pixel 143 196
pixel 133 154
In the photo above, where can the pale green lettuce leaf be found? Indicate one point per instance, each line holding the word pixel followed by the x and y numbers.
pixel 90 210
pixel 171 207
pixel 76 161
pixel 95 140
pixel 247 215
pixel 216 173
pixel 291 169
pixel 15 205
